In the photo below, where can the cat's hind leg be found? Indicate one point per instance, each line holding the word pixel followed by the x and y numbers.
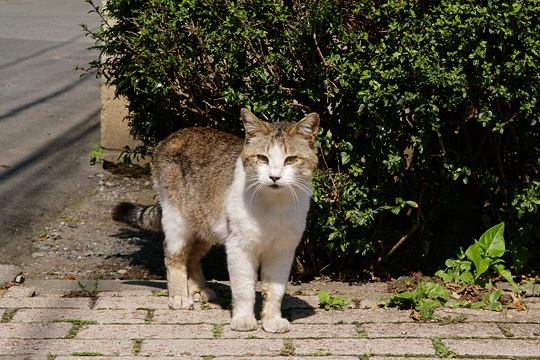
pixel 196 281
pixel 178 242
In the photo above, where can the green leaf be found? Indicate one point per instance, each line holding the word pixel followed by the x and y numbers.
pixel 411 203
pixel 466 277
pixel 444 276
pixel 493 241
pixel 435 291
pixel 507 275
pixel 345 158
pixel 476 254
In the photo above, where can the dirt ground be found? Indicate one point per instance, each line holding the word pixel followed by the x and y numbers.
pixel 83 242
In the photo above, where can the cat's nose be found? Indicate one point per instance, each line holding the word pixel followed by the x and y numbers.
pixel 275 178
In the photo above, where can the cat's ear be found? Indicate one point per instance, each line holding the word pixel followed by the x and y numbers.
pixel 252 124
pixel 307 127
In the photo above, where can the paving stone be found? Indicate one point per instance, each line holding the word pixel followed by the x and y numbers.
pixel 298 331
pixel 425 358
pixel 100 316
pixel 132 302
pixel 34 331
pixel 364 346
pixel 405 358
pixel 306 316
pixel 429 330
pixel 2 313
pixel 135 331
pixel 294 358
pixel 64 347
pixel 523 330
pixel 128 358
pixel 19 292
pixel 46 302
pixel 530 316
pixel 211 316
pixel 496 347
pixel 221 347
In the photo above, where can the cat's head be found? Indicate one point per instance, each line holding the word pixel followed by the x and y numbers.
pixel 279 155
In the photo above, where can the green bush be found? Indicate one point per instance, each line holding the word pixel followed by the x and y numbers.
pixel 430 125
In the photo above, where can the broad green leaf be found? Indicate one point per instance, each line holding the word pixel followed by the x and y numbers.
pixel 411 203
pixel 507 275
pixel 435 291
pixel 444 276
pixel 493 241
pixel 466 277
pixel 477 256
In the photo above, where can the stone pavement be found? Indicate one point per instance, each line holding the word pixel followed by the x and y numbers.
pixel 128 320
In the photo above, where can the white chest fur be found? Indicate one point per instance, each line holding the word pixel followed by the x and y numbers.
pixel 270 218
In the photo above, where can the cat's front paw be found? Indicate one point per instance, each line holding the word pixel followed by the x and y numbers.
pixel 276 325
pixel 180 302
pixel 204 294
pixel 243 323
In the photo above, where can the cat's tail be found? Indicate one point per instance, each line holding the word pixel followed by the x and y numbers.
pixel 147 218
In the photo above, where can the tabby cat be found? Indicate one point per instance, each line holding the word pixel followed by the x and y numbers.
pixel 252 195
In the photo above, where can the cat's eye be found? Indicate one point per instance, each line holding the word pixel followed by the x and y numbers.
pixel 262 159
pixel 291 160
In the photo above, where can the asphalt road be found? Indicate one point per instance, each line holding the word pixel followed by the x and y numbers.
pixel 49 116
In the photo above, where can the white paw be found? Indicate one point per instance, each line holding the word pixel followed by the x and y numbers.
pixel 276 325
pixel 244 323
pixel 180 302
pixel 205 294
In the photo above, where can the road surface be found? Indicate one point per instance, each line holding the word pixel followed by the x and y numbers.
pixel 49 116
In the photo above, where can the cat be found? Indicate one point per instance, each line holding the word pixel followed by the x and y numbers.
pixel 252 195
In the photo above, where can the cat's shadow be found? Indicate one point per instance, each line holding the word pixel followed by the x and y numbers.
pixel 293 308
pixel 150 257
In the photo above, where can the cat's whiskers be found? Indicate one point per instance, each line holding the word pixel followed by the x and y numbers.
pixel 294 195
pixel 302 186
pixel 255 192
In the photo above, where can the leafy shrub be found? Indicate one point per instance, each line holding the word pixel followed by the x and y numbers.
pixel 429 109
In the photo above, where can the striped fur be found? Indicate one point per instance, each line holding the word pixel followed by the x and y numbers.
pixel 147 218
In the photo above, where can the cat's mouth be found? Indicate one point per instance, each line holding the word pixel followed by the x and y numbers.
pixel 274 186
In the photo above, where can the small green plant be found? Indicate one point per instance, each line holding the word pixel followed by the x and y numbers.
pixel 77 325
pixel 96 155
pixel 329 302
pixel 149 314
pixel 84 291
pixel 137 346
pixel 448 319
pixel 288 347
pixel 217 330
pixel 208 357
pixel 8 315
pixel 160 293
pixel 426 298
pixel 360 331
pixel 441 350
pixel 480 259
pixel 490 301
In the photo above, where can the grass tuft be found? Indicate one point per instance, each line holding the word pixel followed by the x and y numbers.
pixel 288 347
